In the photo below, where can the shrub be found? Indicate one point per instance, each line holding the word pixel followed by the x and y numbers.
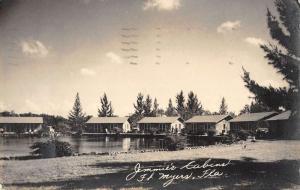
pixel 228 139
pixel 52 148
pixel 175 142
pixel 243 134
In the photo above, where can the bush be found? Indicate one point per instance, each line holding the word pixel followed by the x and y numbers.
pixel 52 149
pixel 243 134
pixel 228 139
pixel 175 142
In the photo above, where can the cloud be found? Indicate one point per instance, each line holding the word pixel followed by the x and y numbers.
pixel 34 48
pixel 162 4
pixel 229 26
pixel 87 72
pixel 255 41
pixel 114 58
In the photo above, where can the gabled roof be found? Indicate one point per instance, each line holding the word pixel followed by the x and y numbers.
pixel 107 120
pixel 158 120
pixel 282 116
pixel 207 118
pixel 33 120
pixel 253 116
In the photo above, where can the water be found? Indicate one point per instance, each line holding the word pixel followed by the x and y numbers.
pixel 21 146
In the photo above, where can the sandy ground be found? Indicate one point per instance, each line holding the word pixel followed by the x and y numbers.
pixel 45 170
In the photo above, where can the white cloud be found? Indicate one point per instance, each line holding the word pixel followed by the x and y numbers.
pixel 114 58
pixel 229 26
pixel 31 106
pixel 87 72
pixel 255 41
pixel 162 4
pixel 34 48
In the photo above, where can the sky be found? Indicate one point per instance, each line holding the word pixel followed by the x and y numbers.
pixel 51 49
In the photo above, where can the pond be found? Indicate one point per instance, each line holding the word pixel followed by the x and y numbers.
pixel 10 146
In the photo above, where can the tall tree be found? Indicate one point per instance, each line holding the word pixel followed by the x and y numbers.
pixel 170 111
pixel 139 106
pixel 138 110
pixel 155 109
pixel 193 106
pixel 106 109
pixel 148 106
pixel 76 116
pixel 180 108
pixel 223 107
pixel 284 58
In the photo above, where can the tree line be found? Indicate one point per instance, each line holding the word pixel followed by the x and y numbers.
pixel 146 106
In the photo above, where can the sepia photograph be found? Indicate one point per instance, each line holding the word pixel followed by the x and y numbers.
pixel 149 94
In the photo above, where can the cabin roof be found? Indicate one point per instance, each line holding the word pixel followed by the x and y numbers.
pixel 158 120
pixel 107 120
pixel 252 116
pixel 14 120
pixel 282 116
pixel 207 118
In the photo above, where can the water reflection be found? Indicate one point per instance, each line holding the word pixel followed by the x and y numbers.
pixel 126 144
pixel 21 146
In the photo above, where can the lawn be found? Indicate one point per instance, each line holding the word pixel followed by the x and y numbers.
pixel 259 165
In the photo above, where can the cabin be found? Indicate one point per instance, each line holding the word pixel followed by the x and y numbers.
pixel 108 125
pixel 20 125
pixel 250 121
pixel 160 124
pixel 202 124
pixel 280 125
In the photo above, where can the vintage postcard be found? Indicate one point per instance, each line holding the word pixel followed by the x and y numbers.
pixel 149 94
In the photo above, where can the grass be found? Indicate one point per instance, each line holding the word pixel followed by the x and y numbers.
pixel 260 165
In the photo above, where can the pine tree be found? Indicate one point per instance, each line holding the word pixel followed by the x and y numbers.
pixel 139 106
pixel 76 116
pixel 147 106
pixel 193 106
pixel 138 110
pixel 170 111
pixel 155 108
pixel 223 107
pixel 106 109
pixel 180 108
pixel 284 59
